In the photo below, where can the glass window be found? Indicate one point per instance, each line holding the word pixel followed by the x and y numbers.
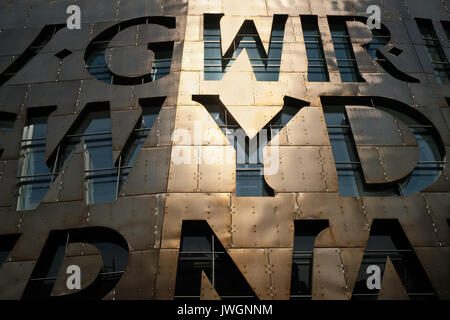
pixel 435 51
pixel 345 56
pixel 35 176
pixel 266 66
pixel 201 250
pixel 317 65
pixel 387 239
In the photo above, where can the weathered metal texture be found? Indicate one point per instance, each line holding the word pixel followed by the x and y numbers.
pixel 328 281
pixel 301 169
pixel 214 208
pixel 436 262
pixel 87 258
pixel 438 210
pixel 155 185
pixel 155 163
pixel 139 280
pixel 387 149
pixel 351 261
pixel 391 285
pixel 145 211
pixel 206 169
pixel 166 274
pixel 280 260
pixel 348 221
pixel 263 222
pixel 254 266
pixel 12 279
pixel 8 173
pixel 411 211
pixel 207 291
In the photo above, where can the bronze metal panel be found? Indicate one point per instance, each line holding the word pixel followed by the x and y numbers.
pixel 42 68
pixel 195 126
pixel 162 130
pixel 436 262
pixel 328 280
pixel 351 260
pixel 146 212
pixel 122 125
pixel 90 264
pixel 155 163
pixel 307 128
pixel 387 132
pixel 214 208
pixel 348 225
pixel 438 209
pixel 14 278
pixel 387 164
pixel 302 169
pixel 16 41
pixel 8 179
pixel 166 274
pixel 139 280
pixel 130 61
pixel 409 211
pixel 133 9
pixel 254 266
pixel 280 272
pixel 62 95
pixel 216 171
pixel 10 220
pixel 391 285
pixel 183 174
pixel 263 222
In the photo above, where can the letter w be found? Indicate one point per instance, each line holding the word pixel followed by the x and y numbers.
pixel 266 65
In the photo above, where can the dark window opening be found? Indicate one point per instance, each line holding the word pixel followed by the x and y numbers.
pixel 317 65
pixel 387 239
pixel 36 46
pixel 266 66
pixel 114 253
pixel 98 67
pixel 7 243
pixel 350 176
pixel 201 250
pixel 343 48
pixel 7 120
pixel 435 52
pixel 305 234
pixel 63 54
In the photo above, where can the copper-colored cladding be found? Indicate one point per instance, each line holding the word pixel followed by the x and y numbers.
pixel 159 194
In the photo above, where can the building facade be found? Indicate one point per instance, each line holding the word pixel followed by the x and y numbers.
pixel 200 149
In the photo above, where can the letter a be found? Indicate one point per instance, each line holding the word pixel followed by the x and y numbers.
pixel 74 20
pixel 74 280
pixel 374 280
